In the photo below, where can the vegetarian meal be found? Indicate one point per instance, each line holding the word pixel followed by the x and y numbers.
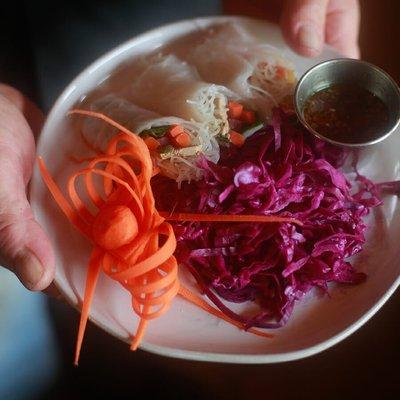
pixel 201 165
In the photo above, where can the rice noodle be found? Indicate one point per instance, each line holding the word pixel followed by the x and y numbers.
pixel 169 86
pixel 257 72
pixel 138 119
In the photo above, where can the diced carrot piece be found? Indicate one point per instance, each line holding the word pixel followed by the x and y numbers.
pixel 182 140
pixel 280 72
pixel 236 138
pixel 175 130
pixel 248 117
pixel 234 110
pixel 152 143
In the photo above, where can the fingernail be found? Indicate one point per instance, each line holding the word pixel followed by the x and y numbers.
pixel 310 38
pixel 28 269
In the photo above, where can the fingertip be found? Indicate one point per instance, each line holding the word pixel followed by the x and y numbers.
pixel 31 272
pixel 33 263
pixel 306 40
pixel 41 247
pixel 342 27
pixel 309 41
pixel 29 269
pixel 303 26
pixel 46 279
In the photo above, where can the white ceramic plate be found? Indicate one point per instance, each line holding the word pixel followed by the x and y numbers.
pixel 186 331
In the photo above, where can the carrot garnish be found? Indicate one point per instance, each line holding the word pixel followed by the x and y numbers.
pixel 60 199
pixel 248 117
pixel 132 242
pixel 280 72
pixel 91 280
pixel 152 143
pixel 227 218
pixel 178 137
pixel 236 138
pixel 198 301
pixel 174 131
pixel 234 110
pixel 182 140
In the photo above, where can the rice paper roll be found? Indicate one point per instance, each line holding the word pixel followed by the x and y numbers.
pixel 179 164
pixel 97 134
pixel 170 86
pixel 257 72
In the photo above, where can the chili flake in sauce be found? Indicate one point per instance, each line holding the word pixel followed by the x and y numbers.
pixel 346 113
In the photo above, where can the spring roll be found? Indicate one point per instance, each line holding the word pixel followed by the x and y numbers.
pixel 179 164
pixel 169 86
pixel 257 72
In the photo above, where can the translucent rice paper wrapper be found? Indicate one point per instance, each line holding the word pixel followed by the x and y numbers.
pixel 170 86
pixel 257 72
pixel 97 134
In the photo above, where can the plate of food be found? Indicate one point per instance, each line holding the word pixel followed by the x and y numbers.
pixel 192 214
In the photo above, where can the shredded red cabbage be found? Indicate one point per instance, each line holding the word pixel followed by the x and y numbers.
pixel 282 170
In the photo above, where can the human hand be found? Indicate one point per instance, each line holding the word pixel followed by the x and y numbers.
pixel 24 247
pixel 308 24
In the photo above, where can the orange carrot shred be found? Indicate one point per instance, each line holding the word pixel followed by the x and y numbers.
pixel 227 218
pixel 91 280
pixel 60 199
pixel 280 72
pixel 126 208
pixel 115 226
pixel 182 140
pixel 234 110
pixel 174 131
pixel 236 138
pixel 248 116
pixel 152 143
pixel 198 301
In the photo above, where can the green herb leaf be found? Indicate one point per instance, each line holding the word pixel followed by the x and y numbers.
pixel 223 139
pixel 156 132
pixel 166 151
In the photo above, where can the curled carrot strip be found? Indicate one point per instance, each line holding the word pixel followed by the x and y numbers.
pixel 133 244
pixel 227 218
pixel 91 280
pixel 61 201
pixel 198 301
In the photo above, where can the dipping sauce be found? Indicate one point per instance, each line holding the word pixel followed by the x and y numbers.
pixel 347 113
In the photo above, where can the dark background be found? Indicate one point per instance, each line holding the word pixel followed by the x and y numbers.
pixel 34 55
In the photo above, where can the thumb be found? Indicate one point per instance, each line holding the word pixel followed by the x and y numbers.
pixel 303 25
pixel 24 247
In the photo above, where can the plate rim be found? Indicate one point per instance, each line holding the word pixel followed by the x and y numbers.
pixel 171 351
